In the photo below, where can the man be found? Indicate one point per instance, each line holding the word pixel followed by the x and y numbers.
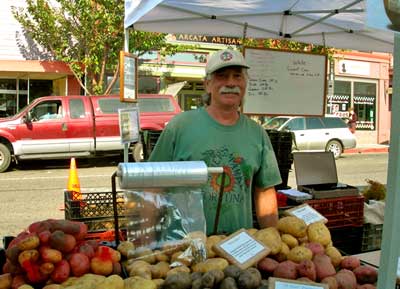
pixel 223 137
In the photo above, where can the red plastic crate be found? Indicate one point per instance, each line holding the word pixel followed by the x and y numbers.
pixel 341 212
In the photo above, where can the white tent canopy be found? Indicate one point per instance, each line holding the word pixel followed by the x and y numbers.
pixel 335 23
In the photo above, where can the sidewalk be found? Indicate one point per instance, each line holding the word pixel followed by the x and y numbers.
pixel 368 148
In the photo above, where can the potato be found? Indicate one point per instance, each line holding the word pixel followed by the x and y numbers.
pixel 346 279
pixel 331 281
pixel 62 241
pixel 334 254
pixel 350 262
pixel 212 278
pixel 306 268
pixel 5 281
pixel 26 286
pixel 180 269
pixel 101 266
pixel 181 280
pixel 249 279
pixel 299 253
pixel 159 270
pixel 50 255
pixel 289 240
pixel 318 232
pixel 30 242
pixel 316 248
pixel 61 271
pixel 366 286
pixel 271 238
pixel 323 266
pixel 28 256
pixel 140 268
pixel 46 268
pixel 124 248
pixel 142 253
pixel 180 257
pixel 211 241
pixel 53 286
pixel 139 283
pixel 111 282
pixel 283 254
pixel 232 271
pixel 293 226
pixel 210 264
pixel 80 264
pixel 160 256
pixel 267 265
pixel 228 283
pixel 286 269
pixel 251 231
pixel 366 274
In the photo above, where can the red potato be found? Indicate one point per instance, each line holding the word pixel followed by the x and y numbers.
pixel 46 268
pixel 316 248
pixel 38 227
pixel 62 241
pixel 83 230
pixel 18 281
pixel 350 263
pixel 305 279
pixel 86 249
pixel 61 272
pixel 323 266
pixel 9 267
pixel 101 266
pixel 346 279
pixel 33 274
pixel 66 226
pixel 331 281
pixel 106 253
pixel 44 237
pixel 267 265
pixel 286 269
pixel 306 268
pixel 80 264
pixel 366 274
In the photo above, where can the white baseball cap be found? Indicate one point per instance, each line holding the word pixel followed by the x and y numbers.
pixel 225 58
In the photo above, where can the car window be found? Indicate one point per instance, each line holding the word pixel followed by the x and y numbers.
pixel 47 110
pixel 275 123
pixel 314 123
pixel 155 105
pixel 111 105
pixel 333 122
pixel 295 124
pixel 77 110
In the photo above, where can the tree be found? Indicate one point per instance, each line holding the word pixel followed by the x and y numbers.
pixel 87 35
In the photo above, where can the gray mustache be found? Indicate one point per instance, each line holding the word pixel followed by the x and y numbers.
pixel 225 89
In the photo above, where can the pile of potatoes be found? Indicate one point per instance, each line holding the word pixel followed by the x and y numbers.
pixel 298 252
pixel 52 251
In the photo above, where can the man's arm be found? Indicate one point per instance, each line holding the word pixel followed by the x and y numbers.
pixel 266 206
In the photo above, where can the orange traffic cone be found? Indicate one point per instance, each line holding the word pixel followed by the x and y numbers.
pixel 73 182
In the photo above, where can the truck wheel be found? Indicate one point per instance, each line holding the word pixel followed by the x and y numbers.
pixel 137 152
pixel 5 158
pixel 335 147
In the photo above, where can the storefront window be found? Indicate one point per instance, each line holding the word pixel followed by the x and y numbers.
pixel 338 102
pixel 364 102
pixel 187 57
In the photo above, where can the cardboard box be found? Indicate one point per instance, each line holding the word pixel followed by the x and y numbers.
pixel 316 174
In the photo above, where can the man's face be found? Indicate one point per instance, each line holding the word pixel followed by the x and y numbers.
pixel 227 86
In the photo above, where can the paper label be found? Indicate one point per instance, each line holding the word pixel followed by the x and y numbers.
pixel 242 247
pixel 283 285
pixel 308 214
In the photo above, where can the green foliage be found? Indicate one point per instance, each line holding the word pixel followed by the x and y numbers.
pixel 374 191
pixel 87 35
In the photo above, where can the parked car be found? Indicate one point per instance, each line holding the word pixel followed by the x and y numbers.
pixel 60 127
pixel 316 133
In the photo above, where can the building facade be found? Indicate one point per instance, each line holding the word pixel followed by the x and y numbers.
pixel 26 70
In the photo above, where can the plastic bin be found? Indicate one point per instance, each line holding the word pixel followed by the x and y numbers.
pixel 341 212
pixel 372 237
pixel 95 209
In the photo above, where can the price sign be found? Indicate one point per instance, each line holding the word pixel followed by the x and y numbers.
pixel 307 213
pixel 128 77
pixel 279 283
pixel 242 249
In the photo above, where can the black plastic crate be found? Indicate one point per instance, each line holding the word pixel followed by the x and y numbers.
pixel 95 209
pixel 348 239
pixel 372 237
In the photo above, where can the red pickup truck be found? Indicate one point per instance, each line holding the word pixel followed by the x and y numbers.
pixel 60 127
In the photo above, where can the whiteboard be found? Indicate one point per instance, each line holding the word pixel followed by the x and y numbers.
pixel 285 83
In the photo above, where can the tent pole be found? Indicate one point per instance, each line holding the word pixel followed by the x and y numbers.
pixel 126 49
pixel 391 228
pixel 244 35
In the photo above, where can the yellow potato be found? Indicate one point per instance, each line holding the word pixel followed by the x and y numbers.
pixel 290 240
pixel 271 238
pixel 319 232
pixel 210 264
pixel 111 282
pixel 293 226
pixel 300 253
pixel 139 283
pixel 335 255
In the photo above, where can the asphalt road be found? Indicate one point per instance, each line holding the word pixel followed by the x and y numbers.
pixel 34 190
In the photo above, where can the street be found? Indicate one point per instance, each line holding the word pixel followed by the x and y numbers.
pixel 34 191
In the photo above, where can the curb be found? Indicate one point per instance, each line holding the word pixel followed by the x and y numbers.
pixel 366 150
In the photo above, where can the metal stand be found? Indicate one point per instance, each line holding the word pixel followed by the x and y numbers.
pixel 114 200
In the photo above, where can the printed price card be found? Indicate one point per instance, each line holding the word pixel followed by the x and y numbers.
pixel 279 283
pixel 242 249
pixel 307 213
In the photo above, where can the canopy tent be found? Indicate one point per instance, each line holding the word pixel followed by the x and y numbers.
pixel 335 23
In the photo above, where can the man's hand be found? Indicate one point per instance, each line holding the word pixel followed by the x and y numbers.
pixel 266 206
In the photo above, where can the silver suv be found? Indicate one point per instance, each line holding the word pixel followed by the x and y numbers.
pixel 315 133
